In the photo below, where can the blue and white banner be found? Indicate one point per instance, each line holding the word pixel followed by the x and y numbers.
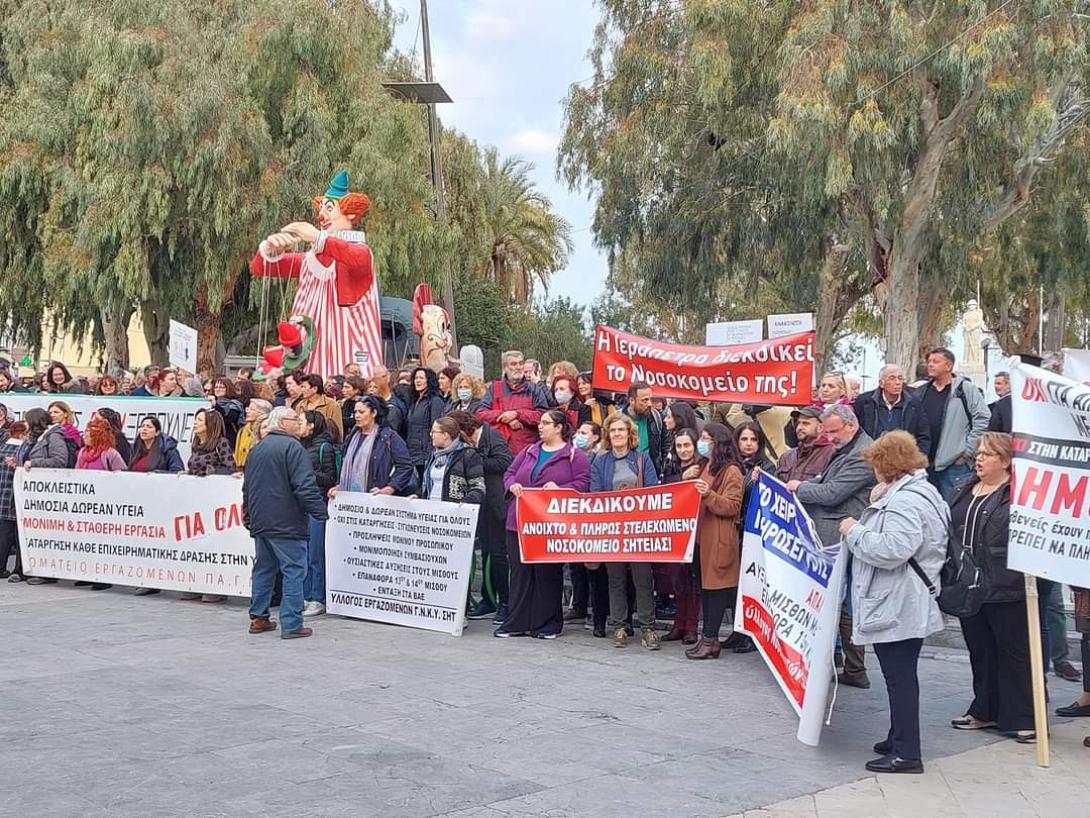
pixel 789 594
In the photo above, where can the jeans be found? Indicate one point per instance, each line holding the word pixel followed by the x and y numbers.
pixel 290 557
pixel 898 661
pixel 947 480
pixel 314 584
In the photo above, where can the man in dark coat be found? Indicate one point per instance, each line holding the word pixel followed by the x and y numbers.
pixel 279 493
pixel 891 407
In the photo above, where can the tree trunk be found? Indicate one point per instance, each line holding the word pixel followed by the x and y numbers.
pixel 1055 307
pixel 156 323
pixel 115 327
pixel 207 323
pixel 932 299
pixel 836 297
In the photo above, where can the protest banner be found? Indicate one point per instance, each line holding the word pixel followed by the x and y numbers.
pixel 175 414
pixel 789 594
pixel 1050 483
pixel 406 562
pixel 169 531
pixel 655 524
pixel 779 371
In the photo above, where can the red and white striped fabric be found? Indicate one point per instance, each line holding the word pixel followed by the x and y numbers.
pixel 342 331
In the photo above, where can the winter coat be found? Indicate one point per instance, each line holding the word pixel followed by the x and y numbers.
pixel 323 457
pixel 805 463
pixel 658 437
pixel 1001 419
pixel 495 458
pixel 960 431
pixel 421 415
pixel 170 459
pixel 107 460
pixel 234 417
pixel 869 408
pixel 328 408
pixel 717 529
pixel 220 460
pixel 991 548
pixel 842 490
pixel 463 479
pixel 765 465
pixel 601 471
pixel 390 466
pixel 890 602
pixel 568 467
pixel 527 399
pixel 279 491
pixel 50 451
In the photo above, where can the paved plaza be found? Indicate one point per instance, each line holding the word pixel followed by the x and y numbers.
pixel 115 705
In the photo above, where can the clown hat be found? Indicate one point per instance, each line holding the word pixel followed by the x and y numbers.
pixel 288 334
pixel 338 188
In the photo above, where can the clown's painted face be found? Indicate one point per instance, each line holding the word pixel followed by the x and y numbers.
pixel 330 217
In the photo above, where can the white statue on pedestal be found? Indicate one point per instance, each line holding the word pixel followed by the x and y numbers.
pixel 972 356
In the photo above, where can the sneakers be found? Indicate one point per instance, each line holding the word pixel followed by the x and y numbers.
pixel 313 608
pixel 502 633
pixel 649 639
pixel 545 635
pixel 575 617
pixel 967 722
pixel 502 612
pixel 482 610
pixel 620 638
pixel 262 624
pixel 302 633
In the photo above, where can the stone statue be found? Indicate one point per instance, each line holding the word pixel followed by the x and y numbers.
pixel 972 356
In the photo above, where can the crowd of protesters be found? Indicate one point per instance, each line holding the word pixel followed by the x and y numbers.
pixel 894 473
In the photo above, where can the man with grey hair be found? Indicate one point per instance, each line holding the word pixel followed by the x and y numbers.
pixel 279 492
pixel 842 490
pixel 513 405
pixel 891 407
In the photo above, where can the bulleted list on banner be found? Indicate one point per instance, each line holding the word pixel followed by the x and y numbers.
pixel 789 594
pixel 399 560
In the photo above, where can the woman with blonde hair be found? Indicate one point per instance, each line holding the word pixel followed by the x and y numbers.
pixel 466 392
pixel 898 547
pixel 249 433
pixel 623 466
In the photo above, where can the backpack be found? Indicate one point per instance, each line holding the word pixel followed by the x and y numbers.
pixel 338 456
pixel 73 451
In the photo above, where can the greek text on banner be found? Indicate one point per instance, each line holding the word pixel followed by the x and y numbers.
pixel 779 371
pixel 636 525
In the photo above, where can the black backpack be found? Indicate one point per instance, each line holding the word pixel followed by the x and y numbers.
pixel 963 584
pixel 73 451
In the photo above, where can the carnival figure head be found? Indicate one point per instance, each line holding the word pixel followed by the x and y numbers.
pixel 337 208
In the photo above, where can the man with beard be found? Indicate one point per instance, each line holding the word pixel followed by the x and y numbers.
pixel 814 451
pixel 512 405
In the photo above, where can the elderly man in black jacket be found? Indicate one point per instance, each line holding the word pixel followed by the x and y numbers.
pixel 892 407
pixel 279 493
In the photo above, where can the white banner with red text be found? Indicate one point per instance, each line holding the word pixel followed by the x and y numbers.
pixel 169 531
pixel 175 414
pixel 401 561
pixel 1050 480
pixel 789 594
pixel 656 524
pixel 778 371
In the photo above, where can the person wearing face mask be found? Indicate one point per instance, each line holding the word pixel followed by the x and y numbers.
pixel 513 405
pixel 590 586
pixel 677 577
pixel 563 391
pixel 466 392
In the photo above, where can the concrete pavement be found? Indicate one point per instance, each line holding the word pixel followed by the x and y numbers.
pixel 115 705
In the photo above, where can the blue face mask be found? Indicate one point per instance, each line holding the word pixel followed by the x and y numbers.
pixel 704 448
pixel 464 394
pixel 581 441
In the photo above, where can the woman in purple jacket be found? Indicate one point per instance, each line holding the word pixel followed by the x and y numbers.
pixel 537 589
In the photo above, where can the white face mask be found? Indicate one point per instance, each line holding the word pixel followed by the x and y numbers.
pixel 562 395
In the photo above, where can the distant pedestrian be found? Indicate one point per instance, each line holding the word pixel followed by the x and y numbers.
pixel 279 496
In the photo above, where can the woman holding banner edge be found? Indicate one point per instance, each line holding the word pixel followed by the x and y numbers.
pixel 536 606
pixel 899 539
pixel 718 546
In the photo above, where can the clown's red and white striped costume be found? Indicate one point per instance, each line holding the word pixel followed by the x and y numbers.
pixel 338 290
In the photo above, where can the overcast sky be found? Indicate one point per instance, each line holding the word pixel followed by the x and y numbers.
pixel 507 66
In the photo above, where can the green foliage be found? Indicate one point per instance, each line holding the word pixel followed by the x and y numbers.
pixel 551 331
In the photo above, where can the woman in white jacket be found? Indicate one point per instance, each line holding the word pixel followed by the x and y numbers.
pixel 906 522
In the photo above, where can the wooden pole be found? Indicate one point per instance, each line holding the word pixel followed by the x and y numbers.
pixel 1037 671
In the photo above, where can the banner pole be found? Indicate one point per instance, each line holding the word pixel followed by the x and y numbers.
pixel 1037 670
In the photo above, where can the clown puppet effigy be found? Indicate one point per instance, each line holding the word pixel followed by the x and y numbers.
pixel 337 301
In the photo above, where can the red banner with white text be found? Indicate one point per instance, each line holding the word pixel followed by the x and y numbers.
pixel 655 524
pixel 778 371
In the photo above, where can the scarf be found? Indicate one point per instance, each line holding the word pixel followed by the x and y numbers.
pixel 356 468
pixel 439 460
